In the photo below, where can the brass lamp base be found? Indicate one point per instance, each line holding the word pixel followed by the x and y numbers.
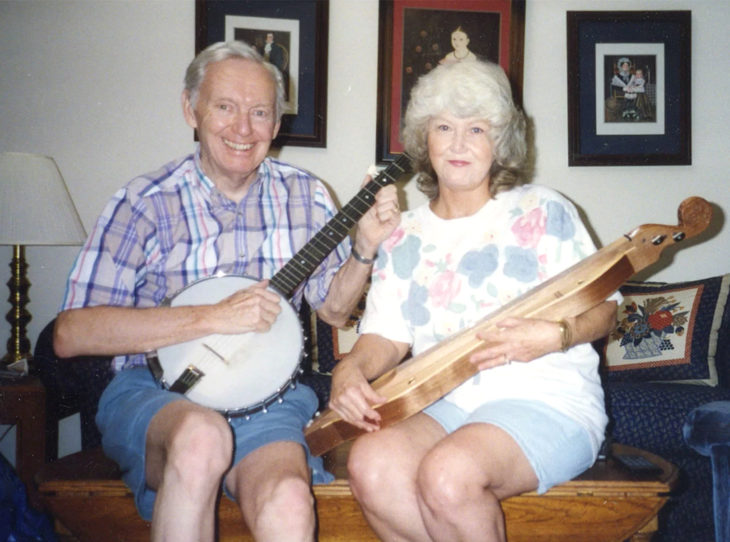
pixel 18 344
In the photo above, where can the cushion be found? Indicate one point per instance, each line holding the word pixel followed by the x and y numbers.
pixel 667 332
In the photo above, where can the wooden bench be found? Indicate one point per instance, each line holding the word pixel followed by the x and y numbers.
pixel 607 503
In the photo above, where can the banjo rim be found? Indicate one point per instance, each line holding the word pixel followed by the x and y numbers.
pixel 155 367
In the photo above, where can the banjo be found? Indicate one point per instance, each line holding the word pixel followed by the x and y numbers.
pixel 422 379
pixel 243 373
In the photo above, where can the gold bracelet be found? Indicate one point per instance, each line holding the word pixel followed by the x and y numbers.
pixel 360 258
pixel 566 335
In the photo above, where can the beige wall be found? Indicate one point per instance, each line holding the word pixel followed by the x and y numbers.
pixel 95 84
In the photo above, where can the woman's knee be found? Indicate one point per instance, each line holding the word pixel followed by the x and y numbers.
pixel 446 480
pixel 369 470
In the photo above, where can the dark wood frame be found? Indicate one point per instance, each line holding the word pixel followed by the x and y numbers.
pixel 308 128
pixel 390 58
pixel 586 29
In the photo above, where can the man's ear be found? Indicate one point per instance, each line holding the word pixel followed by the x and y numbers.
pixel 276 129
pixel 188 111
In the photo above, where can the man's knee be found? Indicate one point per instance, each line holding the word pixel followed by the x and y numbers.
pixel 287 508
pixel 201 442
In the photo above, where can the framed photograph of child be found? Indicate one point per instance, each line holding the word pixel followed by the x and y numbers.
pixel 629 88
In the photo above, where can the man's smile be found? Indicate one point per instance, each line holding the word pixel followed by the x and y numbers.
pixel 238 146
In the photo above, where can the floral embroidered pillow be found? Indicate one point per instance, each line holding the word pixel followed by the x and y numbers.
pixel 667 332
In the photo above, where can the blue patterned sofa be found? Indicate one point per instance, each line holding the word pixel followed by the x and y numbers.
pixel 669 354
pixel 686 324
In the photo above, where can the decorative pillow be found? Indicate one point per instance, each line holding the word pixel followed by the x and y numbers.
pixel 667 332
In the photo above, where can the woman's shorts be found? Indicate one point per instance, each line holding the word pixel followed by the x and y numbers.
pixel 557 447
pixel 134 397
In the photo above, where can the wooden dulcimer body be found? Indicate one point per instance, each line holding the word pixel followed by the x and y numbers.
pixel 422 379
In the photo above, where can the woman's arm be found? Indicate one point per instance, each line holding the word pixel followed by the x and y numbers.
pixel 525 339
pixel 352 397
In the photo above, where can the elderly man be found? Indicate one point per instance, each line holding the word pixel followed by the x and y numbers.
pixel 227 208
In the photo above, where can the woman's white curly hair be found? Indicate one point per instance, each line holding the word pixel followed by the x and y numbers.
pixel 468 89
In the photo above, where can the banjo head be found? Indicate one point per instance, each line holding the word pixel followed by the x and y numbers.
pixel 241 373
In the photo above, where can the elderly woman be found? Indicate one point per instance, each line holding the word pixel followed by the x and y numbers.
pixel 534 415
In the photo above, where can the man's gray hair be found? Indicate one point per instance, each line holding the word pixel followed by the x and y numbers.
pixel 224 50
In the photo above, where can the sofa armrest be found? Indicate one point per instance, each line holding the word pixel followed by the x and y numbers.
pixel 72 385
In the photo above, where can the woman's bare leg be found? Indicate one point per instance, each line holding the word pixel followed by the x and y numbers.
pixel 383 468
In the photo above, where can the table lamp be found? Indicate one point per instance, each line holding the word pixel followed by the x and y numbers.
pixel 35 209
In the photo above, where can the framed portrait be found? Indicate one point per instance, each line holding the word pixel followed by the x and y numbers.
pixel 292 35
pixel 629 88
pixel 415 36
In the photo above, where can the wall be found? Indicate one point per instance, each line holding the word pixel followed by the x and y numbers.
pixel 96 85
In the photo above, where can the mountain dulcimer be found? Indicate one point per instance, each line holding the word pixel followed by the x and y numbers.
pixel 422 379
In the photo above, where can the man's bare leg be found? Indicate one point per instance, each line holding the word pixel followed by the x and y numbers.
pixel 272 488
pixel 188 450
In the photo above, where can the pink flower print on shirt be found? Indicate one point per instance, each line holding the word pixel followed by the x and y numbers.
pixel 529 228
pixel 444 289
pixel 393 240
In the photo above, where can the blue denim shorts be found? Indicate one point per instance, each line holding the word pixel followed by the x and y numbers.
pixel 134 397
pixel 557 447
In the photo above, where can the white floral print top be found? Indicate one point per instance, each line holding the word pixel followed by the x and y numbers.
pixel 435 277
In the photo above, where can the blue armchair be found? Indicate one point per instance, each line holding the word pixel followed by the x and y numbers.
pixel 707 431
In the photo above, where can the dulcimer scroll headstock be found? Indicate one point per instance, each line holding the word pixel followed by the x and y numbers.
pixel 650 240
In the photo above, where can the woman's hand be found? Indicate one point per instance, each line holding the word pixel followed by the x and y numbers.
pixel 517 339
pixel 525 339
pixel 353 398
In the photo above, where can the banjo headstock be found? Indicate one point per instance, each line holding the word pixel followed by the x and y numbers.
pixel 649 240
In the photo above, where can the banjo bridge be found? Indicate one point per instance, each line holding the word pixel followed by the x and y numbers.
pixel 189 377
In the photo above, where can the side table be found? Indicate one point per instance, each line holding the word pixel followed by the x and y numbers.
pixel 23 404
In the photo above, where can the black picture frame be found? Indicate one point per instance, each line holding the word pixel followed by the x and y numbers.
pixel 496 30
pixel 303 26
pixel 647 122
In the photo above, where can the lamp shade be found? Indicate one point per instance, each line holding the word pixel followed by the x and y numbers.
pixel 35 205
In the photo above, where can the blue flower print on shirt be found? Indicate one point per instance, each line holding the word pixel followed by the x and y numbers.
pixel 559 223
pixel 520 264
pixel 478 265
pixel 414 308
pixel 406 256
pixel 381 261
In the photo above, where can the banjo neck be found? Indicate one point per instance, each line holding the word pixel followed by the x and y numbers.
pixel 419 381
pixel 306 260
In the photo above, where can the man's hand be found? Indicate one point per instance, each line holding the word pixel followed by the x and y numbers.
pixel 378 222
pixel 253 309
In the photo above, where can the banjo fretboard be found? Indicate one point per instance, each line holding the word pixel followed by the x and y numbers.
pixel 306 260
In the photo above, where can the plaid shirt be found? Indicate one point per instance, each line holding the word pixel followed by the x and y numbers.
pixel 169 228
